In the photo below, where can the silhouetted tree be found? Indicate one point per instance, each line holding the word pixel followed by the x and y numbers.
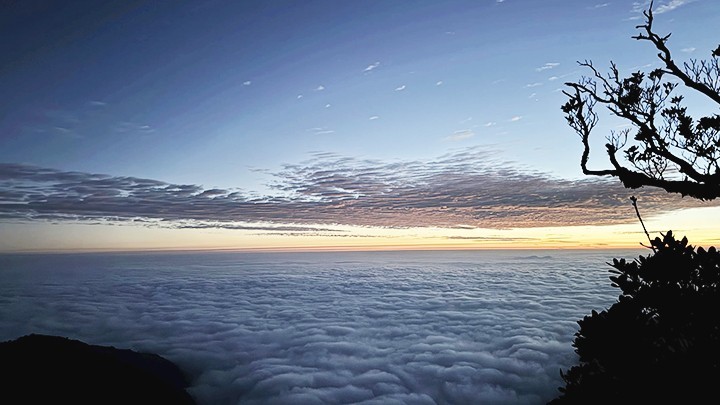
pixel 669 149
pixel 660 342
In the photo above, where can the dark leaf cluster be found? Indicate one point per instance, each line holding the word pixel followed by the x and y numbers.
pixel 660 342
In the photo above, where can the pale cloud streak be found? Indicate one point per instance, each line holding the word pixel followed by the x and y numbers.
pixel 125 127
pixel 85 121
pixel 460 135
pixel 372 67
pixel 671 5
pixel 321 131
pixel 638 7
pixel 547 66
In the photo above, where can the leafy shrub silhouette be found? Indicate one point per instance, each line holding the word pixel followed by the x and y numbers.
pixel 661 340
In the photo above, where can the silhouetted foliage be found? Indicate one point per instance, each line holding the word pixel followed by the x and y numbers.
pixel 661 340
pixel 669 149
pixel 42 369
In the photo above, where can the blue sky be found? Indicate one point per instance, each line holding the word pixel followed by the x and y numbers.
pixel 262 99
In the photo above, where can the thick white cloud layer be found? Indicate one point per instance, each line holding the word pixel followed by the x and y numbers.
pixel 323 328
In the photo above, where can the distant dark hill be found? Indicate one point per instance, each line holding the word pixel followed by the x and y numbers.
pixel 52 369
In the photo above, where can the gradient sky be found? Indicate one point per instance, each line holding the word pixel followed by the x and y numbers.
pixel 319 124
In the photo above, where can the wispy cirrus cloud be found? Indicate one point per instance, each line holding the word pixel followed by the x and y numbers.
pixel 671 5
pixel 371 67
pixel 599 5
pixel 466 188
pixel 63 123
pixel 460 135
pixel 321 131
pixel 87 119
pixel 660 7
pixel 547 66
pixel 124 127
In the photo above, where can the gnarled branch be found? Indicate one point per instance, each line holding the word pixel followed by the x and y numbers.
pixel 670 150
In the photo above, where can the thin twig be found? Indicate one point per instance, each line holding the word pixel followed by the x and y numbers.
pixel 637 212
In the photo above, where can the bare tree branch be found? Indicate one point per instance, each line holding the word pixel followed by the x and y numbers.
pixel 670 149
pixel 666 57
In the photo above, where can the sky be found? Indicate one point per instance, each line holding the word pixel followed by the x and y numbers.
pixel 325 125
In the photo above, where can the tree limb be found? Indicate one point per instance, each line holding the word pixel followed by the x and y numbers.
pixel 666 57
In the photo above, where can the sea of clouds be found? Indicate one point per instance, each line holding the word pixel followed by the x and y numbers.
pixel 324 328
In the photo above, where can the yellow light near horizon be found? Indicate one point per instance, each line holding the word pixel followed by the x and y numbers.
pixel 700 225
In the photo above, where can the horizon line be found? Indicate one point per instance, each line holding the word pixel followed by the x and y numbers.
pixel 315 249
